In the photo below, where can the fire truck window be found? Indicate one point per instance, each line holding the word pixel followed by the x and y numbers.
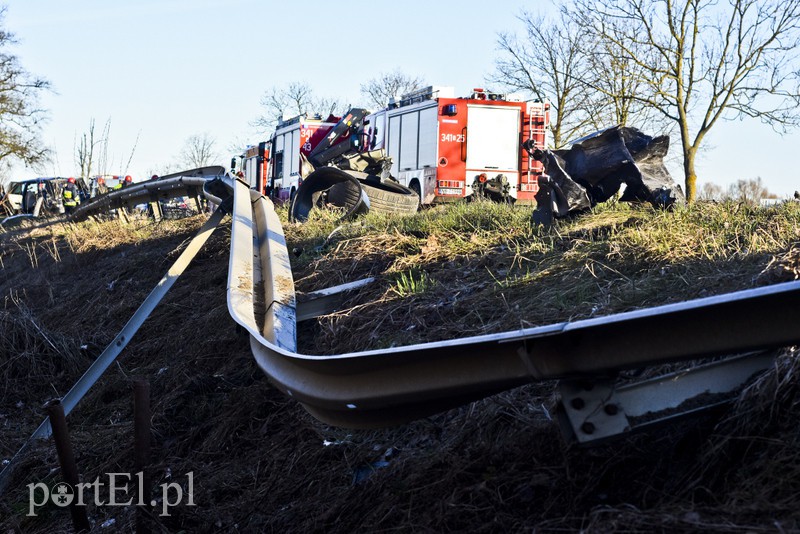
pixel 278 165
pixel 373 136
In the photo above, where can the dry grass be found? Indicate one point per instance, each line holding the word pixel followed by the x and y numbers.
pixel 261 464
pixel 487 270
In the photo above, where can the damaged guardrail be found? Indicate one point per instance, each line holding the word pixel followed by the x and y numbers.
pixel 183 184
pixel 389 386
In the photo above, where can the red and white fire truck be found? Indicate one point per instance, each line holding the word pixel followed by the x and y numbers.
pixel 444 147
pixel 274 167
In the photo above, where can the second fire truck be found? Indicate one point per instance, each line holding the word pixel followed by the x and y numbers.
pixel 446 148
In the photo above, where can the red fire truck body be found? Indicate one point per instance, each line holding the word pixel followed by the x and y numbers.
pixel 274 167
pixel 441 145
pixel 254 165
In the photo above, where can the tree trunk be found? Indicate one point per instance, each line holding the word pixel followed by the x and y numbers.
pixel 689 173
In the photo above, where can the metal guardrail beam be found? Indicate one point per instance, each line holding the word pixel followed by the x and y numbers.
pixel 115 348
pixel 326 301
pixel 594 410
pixel 187 183
pixel 387 386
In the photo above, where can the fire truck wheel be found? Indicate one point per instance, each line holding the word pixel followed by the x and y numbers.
pixel 389 197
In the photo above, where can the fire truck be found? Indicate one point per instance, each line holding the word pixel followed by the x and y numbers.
pixel 275 167
pixel 446 148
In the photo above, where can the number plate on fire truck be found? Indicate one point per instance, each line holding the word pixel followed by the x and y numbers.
pixel 449 191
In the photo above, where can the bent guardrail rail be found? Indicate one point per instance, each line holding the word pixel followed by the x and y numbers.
pixel 187 183
pixel 389 386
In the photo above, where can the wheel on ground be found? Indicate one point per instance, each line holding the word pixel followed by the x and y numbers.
pixel 390 197
pixel 343 190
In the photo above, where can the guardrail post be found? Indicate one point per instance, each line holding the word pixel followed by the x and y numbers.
pixel 141 451
pixel 155 208
pixel 69 470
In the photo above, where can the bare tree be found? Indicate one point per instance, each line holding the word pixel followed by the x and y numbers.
pixel 297 98
pixel 20 116
pixel 710 191
pixel 103 165
pixel 389 86
pixel 615 84
pixel 715 60
pixel 84 151
pixel 749 191
pixel 91 151
pixel 133 151
pixel 198 151
pixel 548 63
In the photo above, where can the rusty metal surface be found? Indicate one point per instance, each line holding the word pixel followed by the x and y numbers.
pixel 66 459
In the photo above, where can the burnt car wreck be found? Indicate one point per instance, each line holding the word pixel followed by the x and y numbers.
pixel 594 169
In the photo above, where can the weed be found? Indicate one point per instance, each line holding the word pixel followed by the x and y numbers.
pixel 411 283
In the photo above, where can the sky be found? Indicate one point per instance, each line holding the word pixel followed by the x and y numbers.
pixel 160 71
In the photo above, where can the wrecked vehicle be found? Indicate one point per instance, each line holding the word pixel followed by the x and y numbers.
pixel 594 169
pixel 348 176
pixel 41 197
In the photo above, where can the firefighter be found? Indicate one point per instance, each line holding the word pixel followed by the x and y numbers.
pixel 72 196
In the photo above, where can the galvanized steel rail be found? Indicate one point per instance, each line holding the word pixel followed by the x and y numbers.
pixel 388 386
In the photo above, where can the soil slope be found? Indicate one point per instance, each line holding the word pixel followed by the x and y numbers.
pixel 259 463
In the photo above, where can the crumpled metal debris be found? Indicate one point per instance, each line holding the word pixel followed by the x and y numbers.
pixel 594 168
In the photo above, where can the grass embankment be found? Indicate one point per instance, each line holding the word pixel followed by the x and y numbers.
pixel 480 267
pixel 260 463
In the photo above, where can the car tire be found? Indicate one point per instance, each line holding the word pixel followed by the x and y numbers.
pixel 390 197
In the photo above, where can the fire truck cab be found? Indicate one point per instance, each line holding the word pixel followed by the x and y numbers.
pixel 444 147
pixel 275 167
pixel 291 144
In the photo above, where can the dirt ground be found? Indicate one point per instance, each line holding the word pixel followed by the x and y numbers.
pixel 259 463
